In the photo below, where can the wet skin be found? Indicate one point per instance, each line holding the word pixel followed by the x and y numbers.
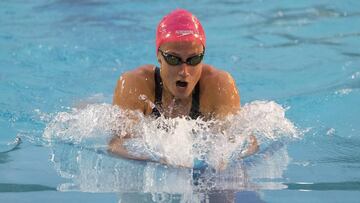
pixel 135 90
pixel 218 93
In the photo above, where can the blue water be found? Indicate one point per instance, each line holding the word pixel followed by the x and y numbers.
pixel 303 55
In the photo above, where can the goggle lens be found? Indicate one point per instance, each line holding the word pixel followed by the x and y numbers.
pixel 175 60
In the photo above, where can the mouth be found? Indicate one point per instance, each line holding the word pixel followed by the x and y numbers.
pixel 182 84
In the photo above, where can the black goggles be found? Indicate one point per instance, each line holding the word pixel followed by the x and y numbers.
pixel 175 60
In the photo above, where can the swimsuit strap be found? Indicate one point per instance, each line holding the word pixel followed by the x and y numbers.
pixel 158 86
pixel 158 93
pixel 195 105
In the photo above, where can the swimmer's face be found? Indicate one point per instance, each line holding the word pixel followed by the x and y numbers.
pixel 180 79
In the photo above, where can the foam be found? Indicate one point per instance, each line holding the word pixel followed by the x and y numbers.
pixel 176 140
pixel 79 139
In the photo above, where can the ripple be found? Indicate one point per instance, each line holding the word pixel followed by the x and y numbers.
pixel 61 4
pixel 342 186
pixel 11 146
pixel 293 40
pixel 12 187
pixel 351 54
pixel 299 16
pixel 340 150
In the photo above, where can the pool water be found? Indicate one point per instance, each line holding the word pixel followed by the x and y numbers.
pixel 296 64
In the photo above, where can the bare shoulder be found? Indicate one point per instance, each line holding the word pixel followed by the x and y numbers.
pixel 218 91
pixel 215 78
pixel 132 85
pixel 214 74
pixel 140 74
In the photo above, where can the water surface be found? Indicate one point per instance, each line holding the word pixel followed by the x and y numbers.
pixel 302 57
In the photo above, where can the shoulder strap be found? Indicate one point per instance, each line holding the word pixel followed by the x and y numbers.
pixel 195 106
pixel 158 93
pixel 158 87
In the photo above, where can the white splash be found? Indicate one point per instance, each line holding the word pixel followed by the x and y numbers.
pixel 177 140
pixel 93 123
pixel 79 140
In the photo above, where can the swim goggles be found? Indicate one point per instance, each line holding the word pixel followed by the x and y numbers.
pixel 175 60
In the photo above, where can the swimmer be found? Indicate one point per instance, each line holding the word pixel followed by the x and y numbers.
pixel 182 86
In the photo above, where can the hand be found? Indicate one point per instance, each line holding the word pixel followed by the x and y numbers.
pixel 253 146
pixel 116 147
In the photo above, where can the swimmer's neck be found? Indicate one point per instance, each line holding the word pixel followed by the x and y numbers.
pixel 171 99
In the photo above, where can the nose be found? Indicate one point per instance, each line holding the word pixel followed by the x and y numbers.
pixel 184 70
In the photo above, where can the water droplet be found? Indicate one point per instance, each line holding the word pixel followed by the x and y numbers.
pixel 330 132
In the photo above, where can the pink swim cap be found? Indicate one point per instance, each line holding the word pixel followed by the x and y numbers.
pixel 179 25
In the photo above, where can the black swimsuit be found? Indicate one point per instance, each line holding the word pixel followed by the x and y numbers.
pixel 195 106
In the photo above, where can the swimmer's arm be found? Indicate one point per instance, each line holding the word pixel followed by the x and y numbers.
pixel 129 90
pixel 116 147
pixel 227 100
pixel 252 149
pixel 126 97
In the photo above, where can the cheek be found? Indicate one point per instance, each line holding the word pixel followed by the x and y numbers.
pixel 167 74
pixel 171 72
pixel 196 72
pixel 164 71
